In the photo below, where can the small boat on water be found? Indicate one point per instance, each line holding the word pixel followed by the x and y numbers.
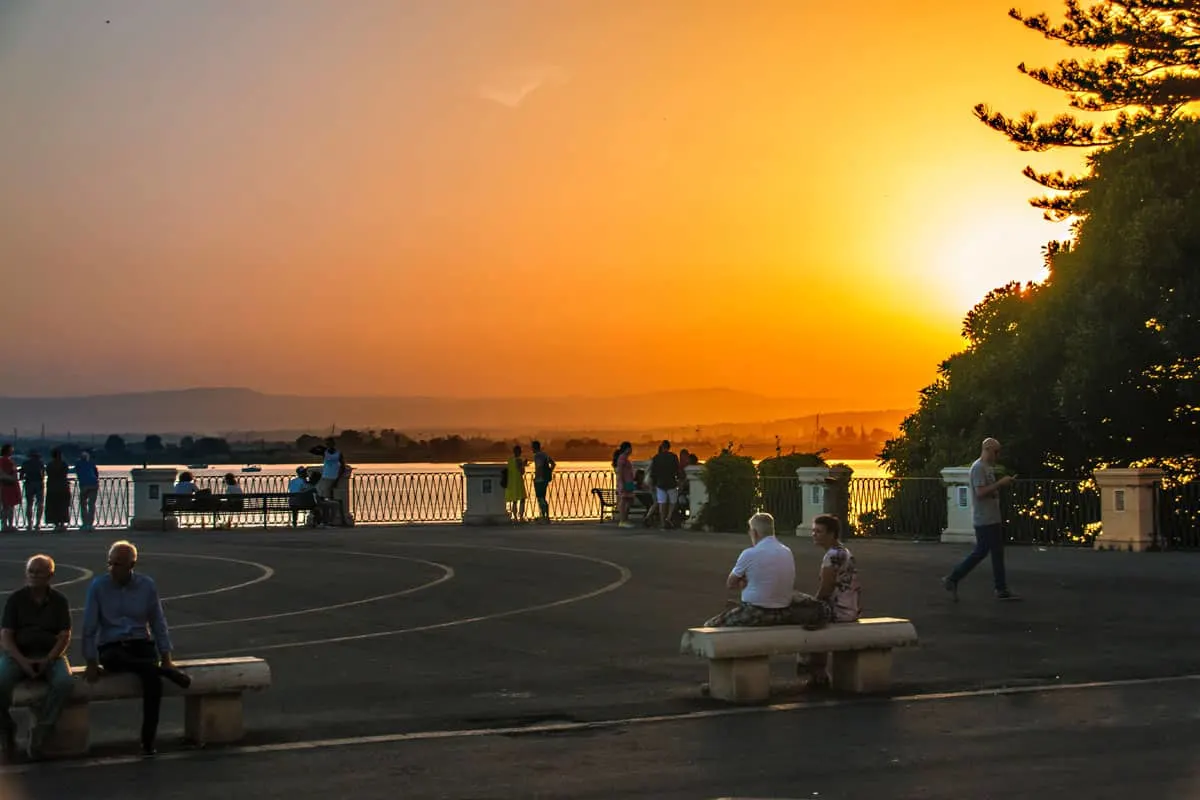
pixel 252 468
pixel 197 466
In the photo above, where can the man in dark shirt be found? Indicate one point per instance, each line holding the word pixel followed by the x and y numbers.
pixel 543 472
pixel 664 473
pixel 34 632
pixel 33 478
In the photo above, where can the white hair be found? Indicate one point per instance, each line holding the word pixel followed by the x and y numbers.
pixel 763 524
pixel 989 444
pixel 40 558
pixel 123 546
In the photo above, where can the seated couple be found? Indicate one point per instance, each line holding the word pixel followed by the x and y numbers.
pixel 766 574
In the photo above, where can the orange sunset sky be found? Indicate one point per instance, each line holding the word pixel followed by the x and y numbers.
pixel 506 197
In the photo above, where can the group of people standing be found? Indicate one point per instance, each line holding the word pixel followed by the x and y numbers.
pixel 665 484
pixel 45 489
pixel 513 482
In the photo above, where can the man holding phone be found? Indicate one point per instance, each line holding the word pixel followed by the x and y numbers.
pixel 988 521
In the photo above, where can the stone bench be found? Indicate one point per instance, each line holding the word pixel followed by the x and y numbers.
pixel 212 704
pixel 739 668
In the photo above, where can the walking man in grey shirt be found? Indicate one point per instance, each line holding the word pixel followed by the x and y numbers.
pixel 989 524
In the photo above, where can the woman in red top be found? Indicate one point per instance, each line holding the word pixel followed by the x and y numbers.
pixel 10 490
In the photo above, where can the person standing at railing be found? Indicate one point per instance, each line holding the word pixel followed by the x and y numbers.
pixel 87 478
pixel 58 491
pixel 988 521
pixel 626 482
pixel 543 473
pixel 10 489
pixel 514 486
pixel 33 479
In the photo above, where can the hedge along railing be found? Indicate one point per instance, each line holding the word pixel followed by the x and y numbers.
pixel 1179 515
pixel 908 508
pixel 1051 511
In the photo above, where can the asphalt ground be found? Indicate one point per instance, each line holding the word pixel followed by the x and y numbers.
pixel 455 662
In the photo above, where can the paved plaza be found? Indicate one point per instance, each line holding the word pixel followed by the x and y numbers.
pixel 451 662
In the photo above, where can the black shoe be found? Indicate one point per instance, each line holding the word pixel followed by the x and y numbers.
pixel 148 750
pixel 1005 594
pixel 951 587
pixel 180 679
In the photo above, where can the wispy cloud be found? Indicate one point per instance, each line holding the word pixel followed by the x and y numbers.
pixel 512 87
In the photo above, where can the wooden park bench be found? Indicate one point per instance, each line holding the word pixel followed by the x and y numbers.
pixel 739 658
pixel 212 704
pixel 257 504
pixel 608 500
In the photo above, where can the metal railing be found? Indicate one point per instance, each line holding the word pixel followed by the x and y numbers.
pixel 114 505
pixel 908 508
pixel 1051 511
pixel 782 498
pixel 1179 515
pixel 570 493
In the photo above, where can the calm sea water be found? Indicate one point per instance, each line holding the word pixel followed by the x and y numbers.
pixel 862 468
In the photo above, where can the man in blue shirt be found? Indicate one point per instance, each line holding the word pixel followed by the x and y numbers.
pixel 125 630
pixel 88 478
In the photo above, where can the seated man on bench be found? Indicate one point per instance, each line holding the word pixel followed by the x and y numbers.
pixel 837 598
pixel 765 572
pixel 125 630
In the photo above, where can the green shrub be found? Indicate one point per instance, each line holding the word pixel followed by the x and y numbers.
pixel 732 487
pixel 779 488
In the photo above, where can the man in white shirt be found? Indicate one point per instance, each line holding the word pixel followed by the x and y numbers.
pixel 766 574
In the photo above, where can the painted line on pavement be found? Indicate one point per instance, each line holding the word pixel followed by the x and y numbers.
pixel 568 727
pixel 625 574
pixel 85 573
pixel 447 574
pixel 266 573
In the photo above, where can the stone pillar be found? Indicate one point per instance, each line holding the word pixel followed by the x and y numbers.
pixel 837 496
pixel 697 494
pixel 812 495
pixel 960 505
pixel 1128 519
pixel 484 495
pixel 149 485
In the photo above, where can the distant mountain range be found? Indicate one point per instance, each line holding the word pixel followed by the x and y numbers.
pixel 232 411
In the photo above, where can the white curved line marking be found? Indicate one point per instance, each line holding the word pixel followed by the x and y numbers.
pixel 561 727
pixel 447 574
pixel 86 573
pixel 625 575
pixel 267 574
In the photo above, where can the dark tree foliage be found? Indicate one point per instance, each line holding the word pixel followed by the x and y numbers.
pixel 1101 363
pixel 1145 71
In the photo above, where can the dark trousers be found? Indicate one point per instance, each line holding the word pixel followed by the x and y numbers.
pixel 989 540
pixel 140 657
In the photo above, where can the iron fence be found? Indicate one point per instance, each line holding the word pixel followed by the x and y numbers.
pixel 1179 515
pixel 782 498
pixel 114 505
pixel 909 508
pixel 571 493
pixel 1051 511
pixel 395 497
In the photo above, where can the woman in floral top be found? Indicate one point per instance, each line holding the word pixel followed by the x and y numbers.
pixel 838 593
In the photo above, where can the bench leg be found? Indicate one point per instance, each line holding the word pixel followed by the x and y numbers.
pixel 215 718
pixel 740 680
pixel 70 736
pixel 861 671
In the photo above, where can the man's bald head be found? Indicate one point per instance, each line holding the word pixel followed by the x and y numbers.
pixel 990 449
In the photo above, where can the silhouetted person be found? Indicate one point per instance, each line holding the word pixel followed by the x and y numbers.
pixel 543 472
pixel 58 491
pixel 33 480
pixel 87 478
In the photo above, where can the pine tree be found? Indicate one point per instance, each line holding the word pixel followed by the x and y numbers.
pixel 1148 73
